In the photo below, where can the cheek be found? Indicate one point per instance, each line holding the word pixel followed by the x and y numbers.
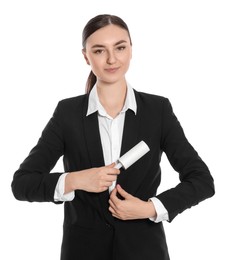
pixel 126 60
pixel 96 66
pixel 95 61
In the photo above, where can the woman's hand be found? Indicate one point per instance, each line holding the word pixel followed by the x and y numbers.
pixel 130 207
pixel 91 180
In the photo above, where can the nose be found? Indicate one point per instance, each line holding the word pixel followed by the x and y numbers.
pixel 111 58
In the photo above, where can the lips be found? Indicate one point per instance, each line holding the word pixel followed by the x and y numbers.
pixel 111 70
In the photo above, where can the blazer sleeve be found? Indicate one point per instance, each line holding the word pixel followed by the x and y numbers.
pixel 33 180
pixel 196 182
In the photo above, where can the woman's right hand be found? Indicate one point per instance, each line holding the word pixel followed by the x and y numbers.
pixel 91 180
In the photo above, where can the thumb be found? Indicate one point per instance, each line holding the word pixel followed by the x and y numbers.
pixel 122 192
pixel 112 165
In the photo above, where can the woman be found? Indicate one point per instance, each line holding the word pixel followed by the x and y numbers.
pixel 94 130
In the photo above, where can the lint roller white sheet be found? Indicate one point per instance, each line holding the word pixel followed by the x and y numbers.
pixel 130 158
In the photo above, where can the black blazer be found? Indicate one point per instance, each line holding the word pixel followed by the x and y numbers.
pixel 90 231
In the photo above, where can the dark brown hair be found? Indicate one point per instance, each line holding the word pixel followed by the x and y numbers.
pixel 93 25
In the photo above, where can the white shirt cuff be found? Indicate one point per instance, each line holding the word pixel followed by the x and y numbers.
pixel 162 213
pixel 59 190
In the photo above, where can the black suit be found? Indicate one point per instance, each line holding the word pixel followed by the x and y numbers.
pixel 90 231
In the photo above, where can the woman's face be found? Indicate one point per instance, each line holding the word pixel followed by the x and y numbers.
pixel 108 51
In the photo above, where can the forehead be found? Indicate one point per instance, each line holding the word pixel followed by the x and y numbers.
pixel 108 35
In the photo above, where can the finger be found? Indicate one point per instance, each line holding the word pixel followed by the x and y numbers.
pixel 112 165
pixel 113 193
pixel 113 197
pixel 114 214
pixel 111 177
pixel 108 183
pixel 113 171
pixel 109 169
pixel 108 180
pixel 122 192
pixel 111 210
pixel 112 205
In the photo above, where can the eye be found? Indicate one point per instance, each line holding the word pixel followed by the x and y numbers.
pixel 99 51
pixel 121 48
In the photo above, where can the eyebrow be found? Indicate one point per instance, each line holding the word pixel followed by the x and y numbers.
pixel 103 46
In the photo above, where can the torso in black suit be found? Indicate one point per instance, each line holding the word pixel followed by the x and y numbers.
pixel 90 232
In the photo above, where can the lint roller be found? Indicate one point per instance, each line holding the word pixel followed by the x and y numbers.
pixel 130 157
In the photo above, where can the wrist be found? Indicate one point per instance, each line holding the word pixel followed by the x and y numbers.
pixel 71 183
pixel 150 210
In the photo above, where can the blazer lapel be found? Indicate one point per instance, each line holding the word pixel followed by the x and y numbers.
pixel 95 151
pixel 94 145
pixel 92 136
pixel 130 131
pixel 130 135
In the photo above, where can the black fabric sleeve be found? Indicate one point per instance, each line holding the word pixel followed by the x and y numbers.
pixel 196 182
pixel 33 180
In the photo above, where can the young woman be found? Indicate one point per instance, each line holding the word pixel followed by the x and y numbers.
pixel 92 131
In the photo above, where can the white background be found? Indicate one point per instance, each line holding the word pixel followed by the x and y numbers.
pixel 180 50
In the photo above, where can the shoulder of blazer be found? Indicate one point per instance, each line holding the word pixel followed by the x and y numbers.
pixel 150 101
pixel 149 96
pixel 77 100
pixel 78 103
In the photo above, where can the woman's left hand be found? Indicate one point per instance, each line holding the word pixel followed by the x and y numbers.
pixel 129 207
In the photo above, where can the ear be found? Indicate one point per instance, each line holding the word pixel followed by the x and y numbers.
pixel 85 56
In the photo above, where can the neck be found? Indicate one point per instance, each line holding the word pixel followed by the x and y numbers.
pixel 112 97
